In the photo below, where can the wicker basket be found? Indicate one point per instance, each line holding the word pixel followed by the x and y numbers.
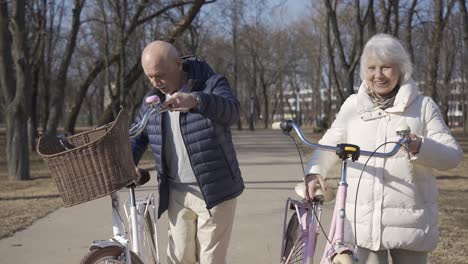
pixel 99 163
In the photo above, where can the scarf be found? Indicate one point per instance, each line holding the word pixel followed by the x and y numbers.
pixel 383 101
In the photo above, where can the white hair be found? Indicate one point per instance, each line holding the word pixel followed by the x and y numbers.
pixel 388 49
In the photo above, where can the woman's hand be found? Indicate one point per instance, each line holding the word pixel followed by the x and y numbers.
pixel 415 144
pixel 313 181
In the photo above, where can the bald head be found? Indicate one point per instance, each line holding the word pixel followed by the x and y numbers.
pixel 159 50
pixel 162 65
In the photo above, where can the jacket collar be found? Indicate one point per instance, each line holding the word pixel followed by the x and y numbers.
pixel 405 96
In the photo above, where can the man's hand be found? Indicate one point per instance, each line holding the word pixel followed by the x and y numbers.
pixel 181 102
pixel 311 182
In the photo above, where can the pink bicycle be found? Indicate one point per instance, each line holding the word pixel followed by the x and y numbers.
pixel 300 233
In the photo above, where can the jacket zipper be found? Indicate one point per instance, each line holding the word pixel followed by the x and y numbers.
pixel 190 159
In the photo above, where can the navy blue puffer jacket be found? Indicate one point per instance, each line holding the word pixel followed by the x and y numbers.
pixel 207 136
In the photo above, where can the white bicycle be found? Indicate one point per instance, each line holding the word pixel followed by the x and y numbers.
pixel 137 241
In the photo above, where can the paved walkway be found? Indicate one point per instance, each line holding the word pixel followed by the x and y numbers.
pixel 270 167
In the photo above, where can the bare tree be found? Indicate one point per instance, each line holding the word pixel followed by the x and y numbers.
pixel 372 24
pixel 396 15
pixel 350 62
pixel 272 65
pixel 37 11
pixel 52 37
pixel 236 10
pixel 409 29
pixel 388 8
pixel 450 50
pixel 106 61
pixel 172 34
pixel 464 12
pixel 463 8
pixel 440 21
pixel 15 85
pixel 221 45
pixel 58 94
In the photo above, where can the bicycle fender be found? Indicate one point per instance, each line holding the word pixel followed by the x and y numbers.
pixel 105 243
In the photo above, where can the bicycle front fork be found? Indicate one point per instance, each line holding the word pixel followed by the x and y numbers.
pixel 308 217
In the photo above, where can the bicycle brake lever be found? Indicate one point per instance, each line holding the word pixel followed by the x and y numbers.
pixel 403 131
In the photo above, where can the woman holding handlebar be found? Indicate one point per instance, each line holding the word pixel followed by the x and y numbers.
pixel 396 205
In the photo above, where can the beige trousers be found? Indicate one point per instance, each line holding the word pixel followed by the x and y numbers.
pixel 193 234
pixel 399 256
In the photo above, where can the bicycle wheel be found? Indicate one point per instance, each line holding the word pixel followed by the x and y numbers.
pixel 294 244
pixel 343 258
pixel 108 255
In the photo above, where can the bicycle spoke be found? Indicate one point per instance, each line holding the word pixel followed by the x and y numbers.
pixel 297 252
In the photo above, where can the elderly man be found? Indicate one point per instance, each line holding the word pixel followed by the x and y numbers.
pixel 198 172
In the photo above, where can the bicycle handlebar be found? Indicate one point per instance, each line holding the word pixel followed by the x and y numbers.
pixel 288 125
pixel 155 107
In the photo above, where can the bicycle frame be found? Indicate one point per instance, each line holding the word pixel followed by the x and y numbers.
pixel 336 233
pixel 336 245
pixel 142 206
pixel 137 208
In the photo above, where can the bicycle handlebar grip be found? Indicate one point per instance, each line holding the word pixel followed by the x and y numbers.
pixel 154 99
pixel 276 126
pixel 403 131
pixel 286 126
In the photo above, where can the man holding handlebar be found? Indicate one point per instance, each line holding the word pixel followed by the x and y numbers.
pixel 198 172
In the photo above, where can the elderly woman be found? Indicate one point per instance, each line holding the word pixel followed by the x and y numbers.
pixel 397 199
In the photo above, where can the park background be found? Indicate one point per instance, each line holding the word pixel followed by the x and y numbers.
pixel 66 66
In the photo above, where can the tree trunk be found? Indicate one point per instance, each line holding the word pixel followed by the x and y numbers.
pixel 235 26
pixel 58 96
pixel 281 97
pixel 348 64
pixel 266 104
pixel 253 95
pixel 51 30
pixel 185 22
pixel 331 60
pixel 387 12
pixel 409 30
pixel 17 147
pixel 435 46
pixel 13 51
pixel 82 90
pixel 463 8
pixel 32 122
pixel 396 17
pixel 350 83
pixel 370 19
pixel 7 81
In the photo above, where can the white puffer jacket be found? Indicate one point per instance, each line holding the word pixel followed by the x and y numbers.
pixel 397 200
